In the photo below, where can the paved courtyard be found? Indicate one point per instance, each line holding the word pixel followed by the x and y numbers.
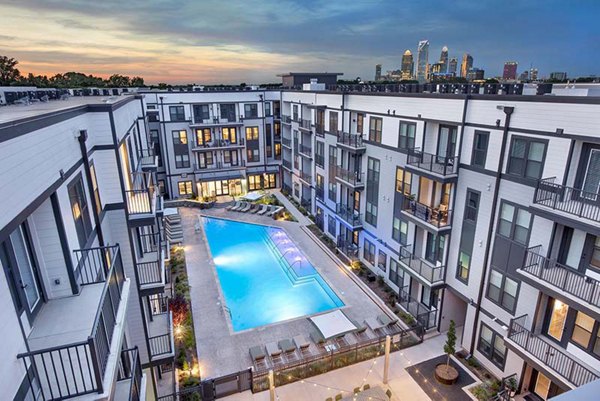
pixel 221 351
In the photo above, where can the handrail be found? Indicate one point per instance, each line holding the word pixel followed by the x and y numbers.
pixel 425 316
pixel 161 344
pixel 351 140
pixel 574 201
pixel 422 267
pixel 434 216
pixel 132 372
pixel 348 214
pixel 354 178
pixel 443 165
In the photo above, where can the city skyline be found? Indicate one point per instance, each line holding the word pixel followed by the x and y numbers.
pixel 209 43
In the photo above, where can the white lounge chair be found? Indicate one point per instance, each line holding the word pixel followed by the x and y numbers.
pixel 374 324
pixel 271 211
pixel 245 208
pixel 263 209
pixel 234 206
pixel 238 207
pixel 277 211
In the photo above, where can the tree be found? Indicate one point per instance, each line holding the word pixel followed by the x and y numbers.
pixel 118 80
pixel 9 74
pixel 137 81
pixel 180 309
pixel 450 346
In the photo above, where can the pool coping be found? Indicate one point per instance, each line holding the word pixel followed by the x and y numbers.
pixel 222 302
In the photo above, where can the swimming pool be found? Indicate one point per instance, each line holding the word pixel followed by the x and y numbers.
pixel 265 278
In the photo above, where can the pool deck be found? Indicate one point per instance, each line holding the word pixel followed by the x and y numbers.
pixel 220 351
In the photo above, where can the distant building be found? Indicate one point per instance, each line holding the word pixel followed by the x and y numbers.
pixel 466 65
pixel 422 60
pixel 444 59
pixel 475 74
pixel 524 76
pixel 407 66
pixel 292 79
pixel 558 76
pixel 510 70
pixel 452 64
pixel 533 74
pixel 438 68
pixel 378 72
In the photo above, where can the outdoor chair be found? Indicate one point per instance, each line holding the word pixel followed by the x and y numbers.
pixel 301 343
pixel 246 207
pixel 389 393
pixel 257 354
pixel 386 320
pixel 374 324
pixel 274 352
pixel 271 211
pixel 317 337
pixel 360 329
pixel 338 397
pixel 263 209
pixel 356 390
pixel 328 399
pixel 366 387
pixel 237 206
pixel 288 348
pixel 277 211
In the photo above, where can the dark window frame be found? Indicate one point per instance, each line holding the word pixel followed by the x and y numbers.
pixel 510 158
pixel 83 225
pixel 177 113
pixel 404 140
pixel 481 164
pixel 489 355
pixel 502 291
pixel 513 222
pixel 375 134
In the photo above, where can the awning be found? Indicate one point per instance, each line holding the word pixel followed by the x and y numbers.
pixel 333 324
pixel 252 196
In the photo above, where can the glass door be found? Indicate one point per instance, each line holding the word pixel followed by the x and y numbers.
pixel 558 317
pixel 446 143
pixel 27 275
pixel 542 386
pixel 591 179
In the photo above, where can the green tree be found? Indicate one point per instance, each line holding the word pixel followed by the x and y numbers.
pixel 137 81
pixel 118 80
pixel 450 346
pixel 9 73
pixel 162 85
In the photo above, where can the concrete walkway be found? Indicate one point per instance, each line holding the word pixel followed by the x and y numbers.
pixel 302 219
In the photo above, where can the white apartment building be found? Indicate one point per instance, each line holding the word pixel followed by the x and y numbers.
pixel 83 278
pixel 477 208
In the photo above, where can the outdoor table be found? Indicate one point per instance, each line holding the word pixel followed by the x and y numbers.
pixel 372 394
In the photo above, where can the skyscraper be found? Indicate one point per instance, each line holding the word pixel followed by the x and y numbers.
pixel 407 65
pixel 444 59
pixel 422 60
pixel 452 64
pixel 466 65
pixel 533 73
pixel 378 72
pixel 510 70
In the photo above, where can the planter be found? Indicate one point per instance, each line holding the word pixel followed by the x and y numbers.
pixel 446 374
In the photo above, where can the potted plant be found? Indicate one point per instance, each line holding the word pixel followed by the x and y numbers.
pixel 511 385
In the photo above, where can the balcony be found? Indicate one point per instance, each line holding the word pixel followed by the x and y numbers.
pixel 286 119
pixel 218 166
pixel 438 217
pixel 439 166
pixel 287 142
pixel 320 193
pixel 305 150
pixel 352 179
pixel 306 203
pixel 568 202
pixel 131 382
pixel 286 164
pixel 320 130
pixel 349 249
pixel 216 121
pixel 151 272
pixel 160 337
pixel 425 316
pixel 306 177
pixel 217 144
pixel 305 125
pixel 546 355
pixel 75 341
pixel 428 272
pixel 148 161
pixel 143 201
pixel 320 160
pixel 351 142
pixel 349 215
pixel 546 273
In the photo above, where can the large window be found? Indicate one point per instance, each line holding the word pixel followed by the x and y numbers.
pixel 180 137
pixel 372 195
pixel 396 275
pixel 250 110
pixel 25 263
pixel 201 112
pixel 331 225
pixel 526 157
pixel 375 128
pixel 252 133
pixel 253 155
pixel 177 113
pixel 491 345
pixel 205 159
pixel 502 290
pixel 227 111
pixel 407 135
pixel 185 188
pixel 403 181
pixel 369 252
pixel 360 122
pixel 514 223
pixel 203 136
pixel 182 161
pixel 333 122
pixel 80 211
pixel 229 134
pixel 267 109
pixel 480 148
pixel 400 231
pixel 586 333
pixel 467 236
pixel 382 261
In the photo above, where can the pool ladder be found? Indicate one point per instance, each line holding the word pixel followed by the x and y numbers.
pixel 226 309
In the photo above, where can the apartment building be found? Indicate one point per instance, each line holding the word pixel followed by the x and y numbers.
pixel 83 284
pixel 216 143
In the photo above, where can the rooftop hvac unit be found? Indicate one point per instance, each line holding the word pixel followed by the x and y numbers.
pixel 473 88
pixel 443 88
pixel 516 89
pixel 542 89
pixel 490 89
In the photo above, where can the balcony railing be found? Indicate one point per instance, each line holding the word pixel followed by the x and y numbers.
pixel 320 130
pixel 548 354
pixel 287 164
pixel 219 166
pixel 348 248
pixel 151 273
pixel 306 176
pixel 349 215
pixel 549 271
pixel 441 165
pixel 287 142
pixel 438 216
pixel 431 273
pixel 162 345
pixel 425 316
pixel 305 149
pixel 219 143
pixel 286 119
pixel 148 159
pixel 305 203
pixel 320 160
pixel 353 178
pixel 142 198
pixel 149 243
pixel 320 193
pixel 573 201
pixel 65 371
pixel 129 376
pixel 354 141
pixel 305 124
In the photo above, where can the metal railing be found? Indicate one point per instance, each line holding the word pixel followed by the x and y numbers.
pixel 305 124
pixel 576 202
pixel 147 158
pixel 320 193
pixel 130 369
pixel 320 130
pixel 551 356
pixel 351 140
pixel 76 369
pixel 286 141
pixel 349 215
pixel 287 164
pixel 286 119
pixel 140 201
pixel 159 304
pixel 353 178
pixel 305 149
pixel 219 143
pixel 563 277
pixel 431 273
pixel 436 164
pixel 162 344
pixel 436 216
pixel 305 203
pixel 348 248
pixel 320 160
pixel 306 176
pixel 219 165
pixel 149 243
pixel 426 317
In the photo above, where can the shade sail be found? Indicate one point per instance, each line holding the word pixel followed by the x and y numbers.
pixel 333 324
pixel 253 196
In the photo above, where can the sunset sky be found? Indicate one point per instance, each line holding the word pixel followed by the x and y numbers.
pixel 233 41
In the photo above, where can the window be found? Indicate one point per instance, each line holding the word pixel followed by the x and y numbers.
pixel 227 111
pixel 375 126
pixel 25 264
pixel 254 182
pixel 400 231
pixel 320 154
pixel 333 122
pixel 277 129
pixel 205 159
pixel 396 275
pixel 403 181
pixel 177 113
pixel 407 135
pixel 514 223
pixel 467 236
pixel 582 332
pixel 372 195
pixel 491 345
pixel 480 147
pixel 472 206
pixel 252 155
pixel 201 112
pixel 502 290
pixel 185 188
pixel 268 109
pixel 277 150
pixel 332 192
pixel 331 225
pixel 180 137
pixel 95 189
pixel 182 161
pixel 382 261
pixel 558 318
pixel 360 121
pixel 295 112
pixel 229 134
pixel 369 252
pixel 252 133
pixel 251 110
pixel 203 136
pixel 526 158
pixel 80 211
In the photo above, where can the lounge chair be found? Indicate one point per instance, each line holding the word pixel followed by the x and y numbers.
pixel 287 347
pixel 301 343
pixel 257 353
pixel 360 328
pixel 317 337
pixel 356 390
pixel 245 208
pixel 276 212
pixel 374 324
pixel 386 320
pixel 274 352
pixel 255 208
pixel 238 207
pixel 338 397
pixel 263 209
pixel 234 206
pixel 270 210
pixel 366 387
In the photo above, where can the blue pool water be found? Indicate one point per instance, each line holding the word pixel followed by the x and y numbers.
pixel 264 277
